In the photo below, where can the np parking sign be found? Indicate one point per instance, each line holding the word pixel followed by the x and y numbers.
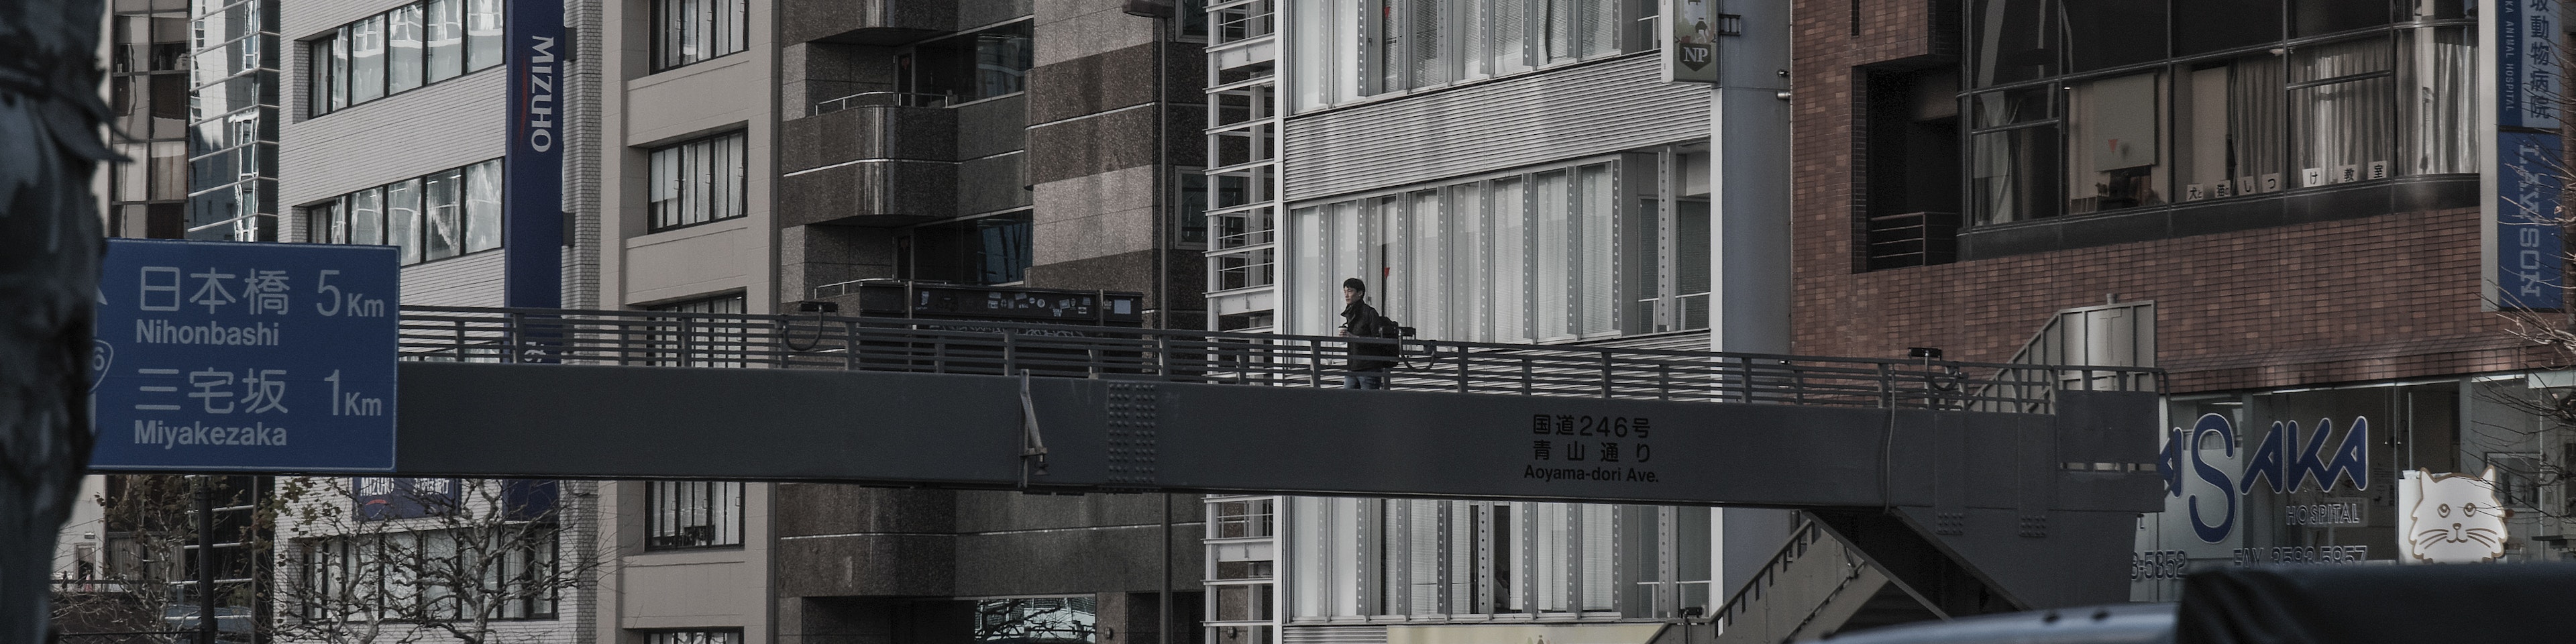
pixel 240 356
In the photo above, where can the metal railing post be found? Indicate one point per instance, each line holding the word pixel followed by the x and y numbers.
pixel 1462 369
pixel 1163 355
pixel 1605 374
pixel 1886 387
pixel 1010 352
pixel 688 341
pixel 1744 381
pixel 513 337
pixel 849 345
pixel 1314 364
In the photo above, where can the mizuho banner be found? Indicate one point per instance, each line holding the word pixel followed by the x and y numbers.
pixel 243 356
pixel 532 186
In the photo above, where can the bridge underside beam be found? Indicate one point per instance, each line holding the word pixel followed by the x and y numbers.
pixel 1991 489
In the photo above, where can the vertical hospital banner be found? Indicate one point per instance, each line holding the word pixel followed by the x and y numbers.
pixel 532 184
pixel 1691 28
pixel 2524 251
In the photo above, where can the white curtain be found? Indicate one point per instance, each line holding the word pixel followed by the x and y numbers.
pixel 2344 126
pixel 2440 102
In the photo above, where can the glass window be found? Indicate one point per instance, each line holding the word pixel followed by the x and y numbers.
pixel 2317 17
pixel 2229 128
pixel 402 214
pixel 367 216
pixel 697 181
pixel 2112 155
pixel 690 31
pixel 1346 49
pixel 446 40
pixel 702 341
pixel 693 514
pixel 984 64
pixel 1552 215
pixel 985 250
pixel 2204 26
pixel 403 40
pixel 445 214
pixel 2342 111
pixel 410 46
pixel 2015 174
pixel 2110 34
pixel 442 206
pixel 327 224
pixel 1056 620
pixel 482 33
pixel 339 69
pixel 2436 68
pixel 367 60
pixel 693 637
pixel 483 206
pixel 2012 40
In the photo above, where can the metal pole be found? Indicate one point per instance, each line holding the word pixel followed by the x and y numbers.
pixel 205 560
pixel 1165 637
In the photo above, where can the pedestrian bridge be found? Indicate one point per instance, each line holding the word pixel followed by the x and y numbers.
pixel 2027 476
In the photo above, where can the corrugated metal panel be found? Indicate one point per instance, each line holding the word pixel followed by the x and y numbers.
pixel 472 280
pixel 1332 635
pixel 1680 341
pixel 1591 109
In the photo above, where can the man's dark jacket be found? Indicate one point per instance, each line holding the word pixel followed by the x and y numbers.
pixel 1371 335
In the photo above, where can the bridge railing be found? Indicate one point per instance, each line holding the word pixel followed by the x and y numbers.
pixel 805 341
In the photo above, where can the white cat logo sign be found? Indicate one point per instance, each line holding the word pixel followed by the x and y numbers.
pixel 2450 518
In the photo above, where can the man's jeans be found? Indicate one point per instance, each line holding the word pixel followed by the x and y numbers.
pixel 1363 382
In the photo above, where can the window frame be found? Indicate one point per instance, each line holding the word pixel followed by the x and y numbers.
pixel 2287 122
pixel 329 67
pixel 1473 40
pixel 655 494
pixel 677 215
pixel 712 349
pixel 334 220
pixel 664 40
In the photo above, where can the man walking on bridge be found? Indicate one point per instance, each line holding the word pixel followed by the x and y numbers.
pixel 1375 349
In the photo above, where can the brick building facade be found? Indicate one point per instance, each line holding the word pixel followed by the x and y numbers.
pixel 2298 195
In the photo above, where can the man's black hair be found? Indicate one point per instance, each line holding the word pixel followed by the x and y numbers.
pixel 1355 284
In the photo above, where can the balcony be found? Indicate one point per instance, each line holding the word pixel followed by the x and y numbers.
pixel 877 159
pixel 864 22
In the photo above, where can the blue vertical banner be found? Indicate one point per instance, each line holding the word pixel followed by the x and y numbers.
pixel 533 185
pixel 2525 234
pixel 2527 74
pixel 2530 253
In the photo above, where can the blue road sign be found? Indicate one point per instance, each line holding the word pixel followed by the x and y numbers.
pixel 240 356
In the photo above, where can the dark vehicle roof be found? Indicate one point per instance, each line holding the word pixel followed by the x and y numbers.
pixel 2108 624
pixel 2482 604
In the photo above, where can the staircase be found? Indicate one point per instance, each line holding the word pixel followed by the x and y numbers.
pixel 1819 584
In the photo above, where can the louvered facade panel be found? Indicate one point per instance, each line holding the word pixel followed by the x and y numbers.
pixel 1679 341
pixel 471 280
pixel 1615 105
pixel 1333 635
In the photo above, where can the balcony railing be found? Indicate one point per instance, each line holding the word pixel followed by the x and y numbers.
pixel 1215 357
pixel 879 99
